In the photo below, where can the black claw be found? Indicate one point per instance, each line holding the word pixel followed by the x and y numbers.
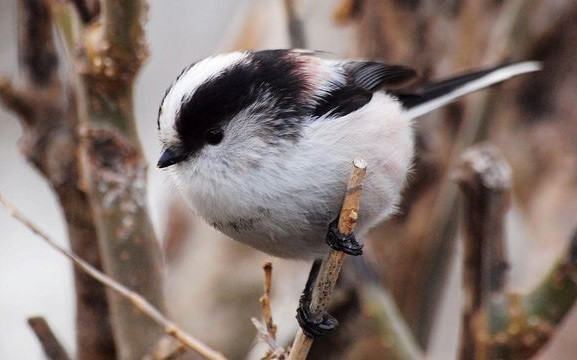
pixel 314 327
pixel 345 243
pixel 311 325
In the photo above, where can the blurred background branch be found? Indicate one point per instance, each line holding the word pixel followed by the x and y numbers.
pixel 136 300
pixel 484 178
pixel 47 112
pixel 50 344
pixel 295 25
pixel 495 324
pixel 114 169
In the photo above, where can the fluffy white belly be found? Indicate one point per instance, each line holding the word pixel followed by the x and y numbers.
pixel 283 205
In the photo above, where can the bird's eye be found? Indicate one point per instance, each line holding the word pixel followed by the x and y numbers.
pixel 214 136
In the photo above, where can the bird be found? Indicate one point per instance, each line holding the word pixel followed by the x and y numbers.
pixel 260 144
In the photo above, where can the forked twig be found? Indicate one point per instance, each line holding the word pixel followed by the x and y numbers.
pixel 134 298
pixel 332 265
pixel 267 331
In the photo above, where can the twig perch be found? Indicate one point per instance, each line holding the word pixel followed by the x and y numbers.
pixel 50 344
pixel 132 297
pixel 332 265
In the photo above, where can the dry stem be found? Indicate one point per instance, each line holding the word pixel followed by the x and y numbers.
pixel 134 298
pixel 276 352
pixel 167 349
pixel 50 344
pixel 332 265
pixel 265 300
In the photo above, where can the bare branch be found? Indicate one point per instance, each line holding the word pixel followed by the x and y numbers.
pixel 265 300
pixel 346 10
pixel 332 265
pixel 50 344
pixel 114 168
pixel 485 180
pixel 13 99
pixel 167 349
pixel 392 327
pixel 295 26
pixel 87 9
pixel 134 298
pixel 38 57
pixel 276 352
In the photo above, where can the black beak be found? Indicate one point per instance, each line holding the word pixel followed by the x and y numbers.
pixel 170 157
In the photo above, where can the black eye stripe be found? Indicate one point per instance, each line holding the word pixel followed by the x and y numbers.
pixel 217 101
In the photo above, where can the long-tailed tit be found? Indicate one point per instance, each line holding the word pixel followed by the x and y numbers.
pixel 260 143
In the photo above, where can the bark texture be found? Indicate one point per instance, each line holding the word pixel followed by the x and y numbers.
pixel 46 108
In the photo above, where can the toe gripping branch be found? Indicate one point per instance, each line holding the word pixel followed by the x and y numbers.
pixel 340 242
pixel 313 326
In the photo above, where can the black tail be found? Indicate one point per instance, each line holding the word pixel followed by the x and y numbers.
pixel 435 95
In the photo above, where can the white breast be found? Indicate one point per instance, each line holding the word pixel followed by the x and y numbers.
pixel 283 203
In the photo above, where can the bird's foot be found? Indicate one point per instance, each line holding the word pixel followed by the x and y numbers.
pixel 340 242
pixel 314 326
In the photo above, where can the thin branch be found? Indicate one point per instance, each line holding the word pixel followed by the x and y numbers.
pixel 332 265
pixel 265 300
pixel 50 344
pixel 134 298
pixel 16 101
pixel 87 9
pixel 295 26
pixel 485 181
pixel 392 328
pixel 346 10
pixel 267 332
pixel 37 51
pixel 167 349
pixel 276 352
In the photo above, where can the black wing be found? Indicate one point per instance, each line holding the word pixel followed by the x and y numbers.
pixel 372 75
pixel 362 79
